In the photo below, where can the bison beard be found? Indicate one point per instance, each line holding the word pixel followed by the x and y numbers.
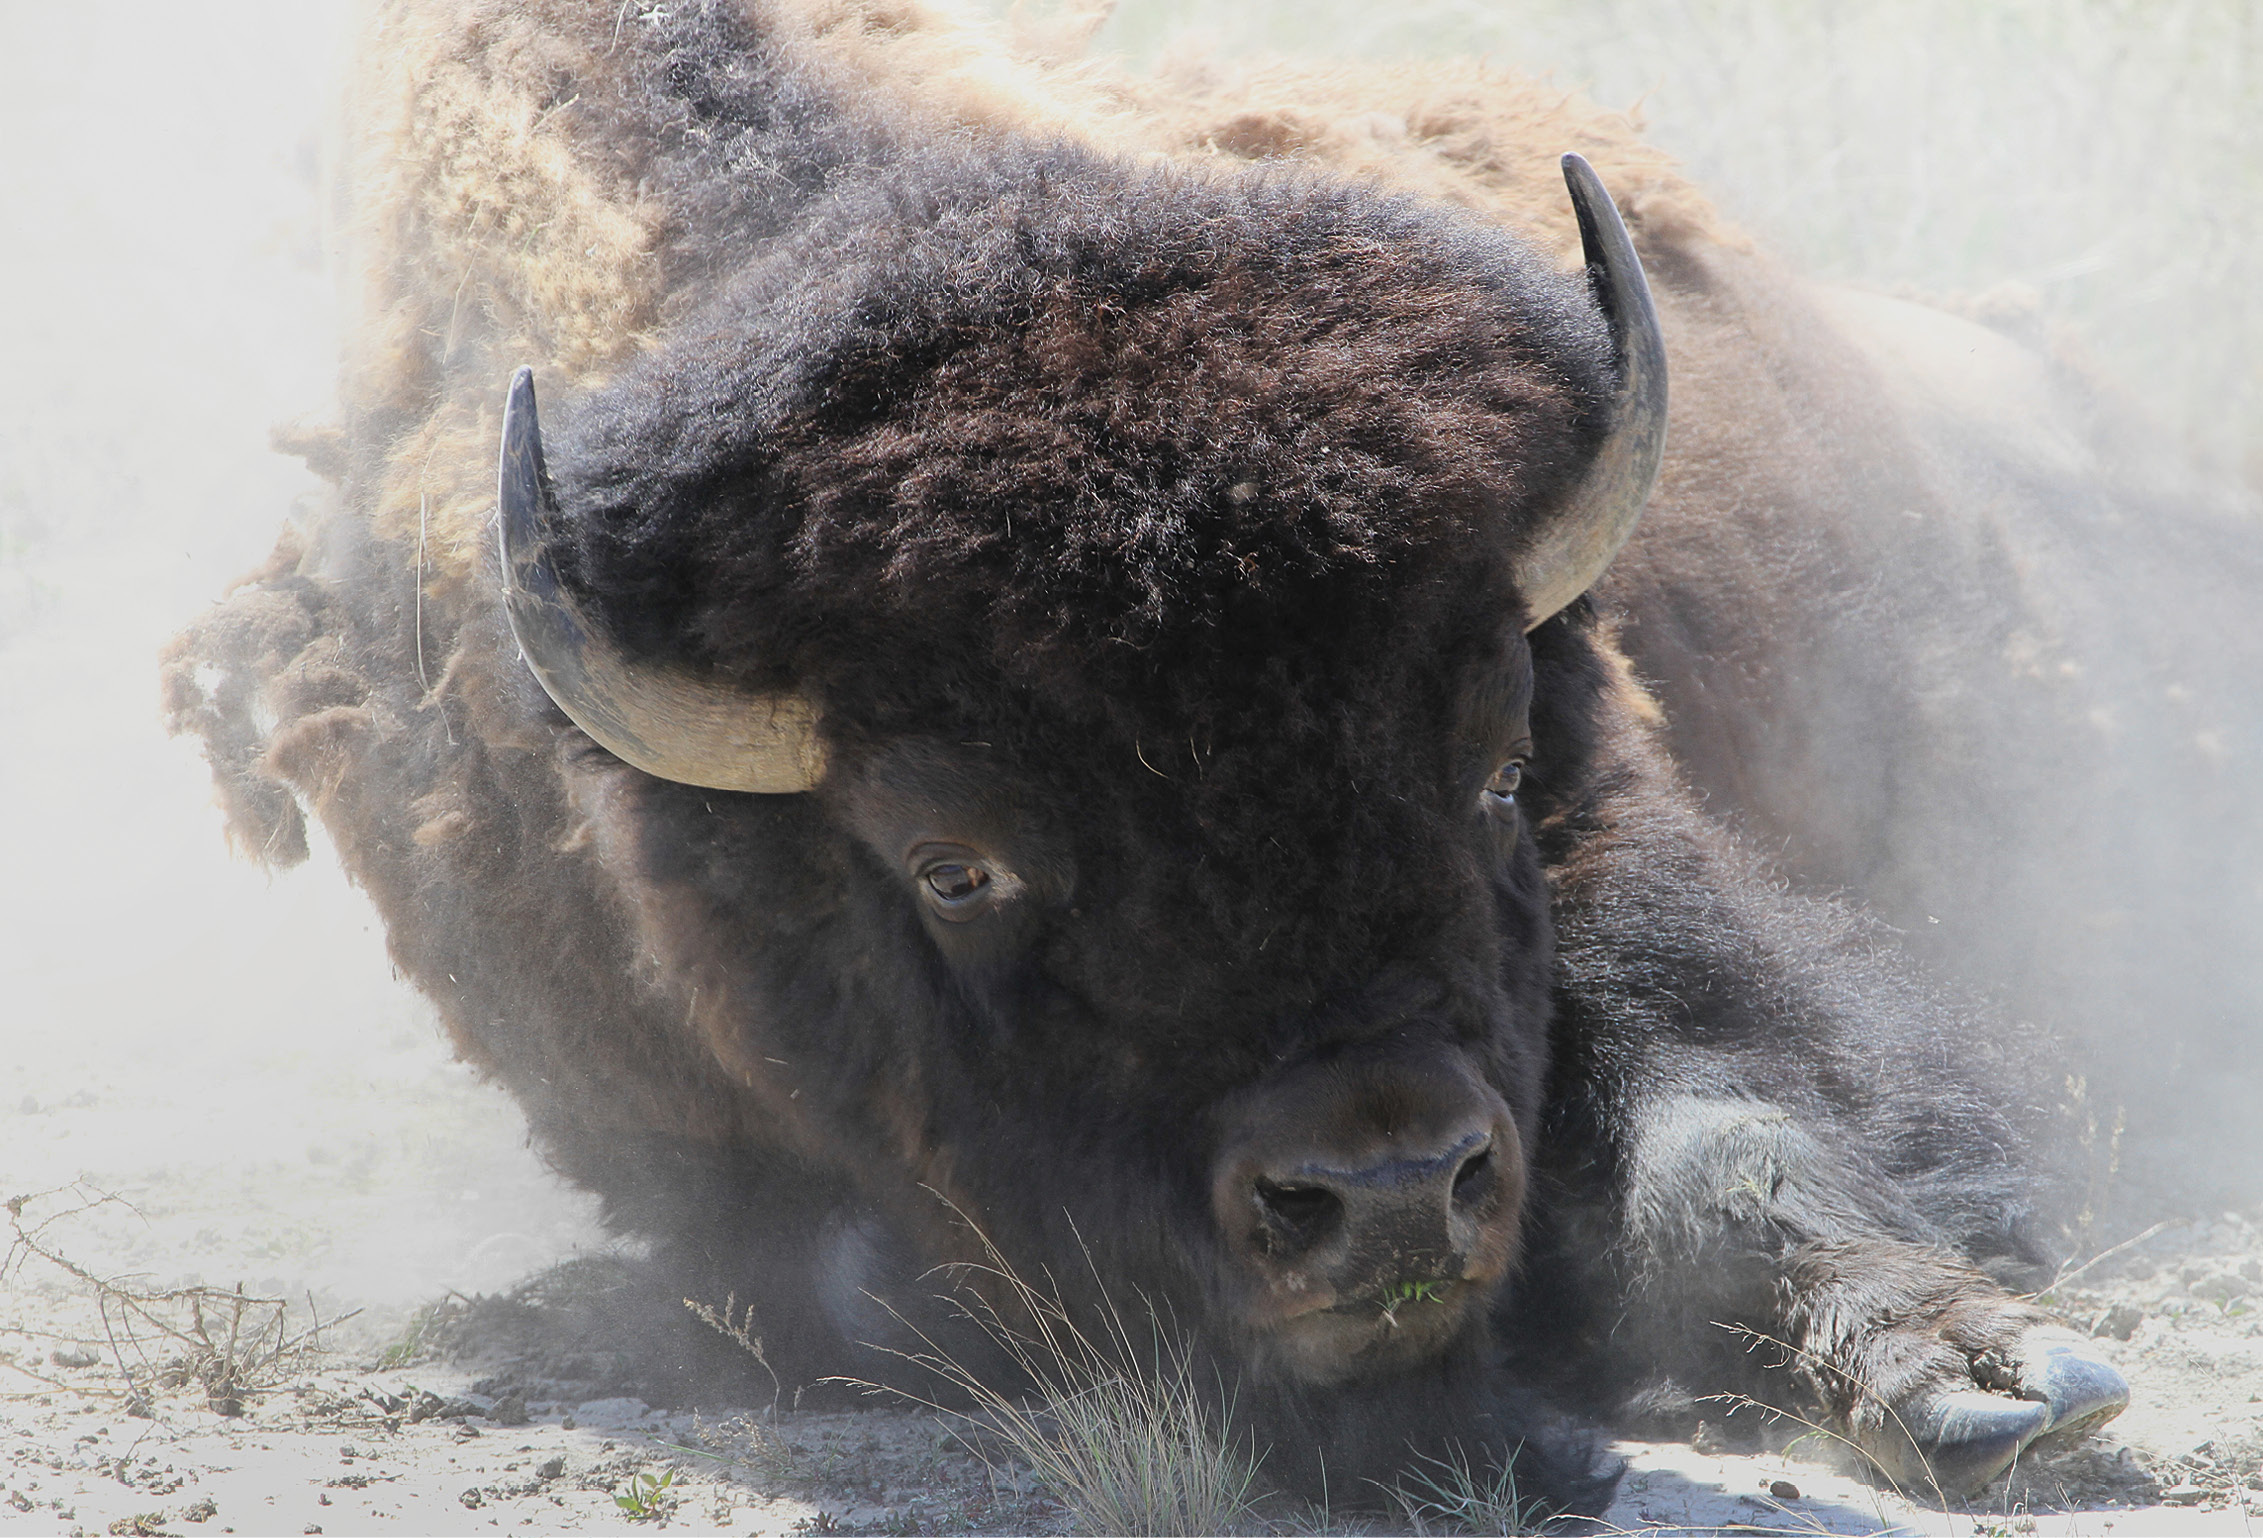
pixel 1195 868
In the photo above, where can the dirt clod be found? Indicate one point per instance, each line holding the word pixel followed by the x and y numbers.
pixel 148 1524
pixel 2120 1321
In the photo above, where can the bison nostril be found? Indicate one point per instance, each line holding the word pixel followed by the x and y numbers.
pixel 1296 1217
pixel 1473 1182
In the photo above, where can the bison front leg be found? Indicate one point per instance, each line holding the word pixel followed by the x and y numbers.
pixel 1776 1158
pixel 1772 1244
pixel 1941 1378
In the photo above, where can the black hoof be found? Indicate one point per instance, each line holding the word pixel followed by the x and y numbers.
pixel 1957 1441
pixel 2081 1390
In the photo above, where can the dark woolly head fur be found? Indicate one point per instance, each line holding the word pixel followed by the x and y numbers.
pixel 1151 535
pixel 1088 423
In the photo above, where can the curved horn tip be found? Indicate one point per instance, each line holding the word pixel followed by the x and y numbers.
pixel 522 423
pixel 664 719
pixel 1582 533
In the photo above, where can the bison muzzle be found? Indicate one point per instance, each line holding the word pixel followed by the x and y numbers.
pixel 1349 1187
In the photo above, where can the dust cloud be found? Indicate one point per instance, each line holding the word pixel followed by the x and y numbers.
pixel 227 1051
pixel 230 1052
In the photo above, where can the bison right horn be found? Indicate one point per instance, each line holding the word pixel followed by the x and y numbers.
pixel 1581 535
pixel 663 719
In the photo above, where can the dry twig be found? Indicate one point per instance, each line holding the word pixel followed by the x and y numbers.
pixel 228 1342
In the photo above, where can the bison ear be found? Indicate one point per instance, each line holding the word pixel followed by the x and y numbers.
pixel 666 720
pixel 1583 532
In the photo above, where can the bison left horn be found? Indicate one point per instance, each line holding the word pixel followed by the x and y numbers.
pixel 1582 534
pixel 666 720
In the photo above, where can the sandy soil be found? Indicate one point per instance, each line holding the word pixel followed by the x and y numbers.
pixel 427 1424
pixel 354 1439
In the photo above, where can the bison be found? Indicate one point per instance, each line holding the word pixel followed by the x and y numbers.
pixel 1040 682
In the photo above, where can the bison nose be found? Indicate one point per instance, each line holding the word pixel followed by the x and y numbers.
pixel 1360 1190
pixel 1417 1213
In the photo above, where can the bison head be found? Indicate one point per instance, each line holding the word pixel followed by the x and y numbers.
pixel 1072 624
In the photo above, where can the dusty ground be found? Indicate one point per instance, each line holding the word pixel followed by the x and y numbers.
pixel 429 1425
pixel 229 1053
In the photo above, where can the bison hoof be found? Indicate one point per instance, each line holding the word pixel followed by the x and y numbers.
pixel 2081 1390
pixel 1955 1441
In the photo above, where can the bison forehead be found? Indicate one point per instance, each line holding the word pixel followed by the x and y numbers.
pixel 1069 406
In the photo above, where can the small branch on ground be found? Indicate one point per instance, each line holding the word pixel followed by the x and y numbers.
pixel 228 1342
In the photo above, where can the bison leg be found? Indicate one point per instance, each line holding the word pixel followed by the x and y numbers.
pixel 1942 1378
pixel 1765 1256
pixel 1780 1162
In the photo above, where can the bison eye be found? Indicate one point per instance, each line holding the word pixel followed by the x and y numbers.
pixel 954 887
pixel 1501 790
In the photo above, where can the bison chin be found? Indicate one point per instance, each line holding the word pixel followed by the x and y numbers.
pixel 1367 1206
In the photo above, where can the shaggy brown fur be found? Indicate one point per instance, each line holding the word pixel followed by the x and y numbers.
pixel 1218 465
pixel 500 213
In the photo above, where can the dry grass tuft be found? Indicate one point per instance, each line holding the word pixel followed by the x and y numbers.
pixel 1130 1446
pixel 1450 1495
pixel 738 1325
pixel 1118 1428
